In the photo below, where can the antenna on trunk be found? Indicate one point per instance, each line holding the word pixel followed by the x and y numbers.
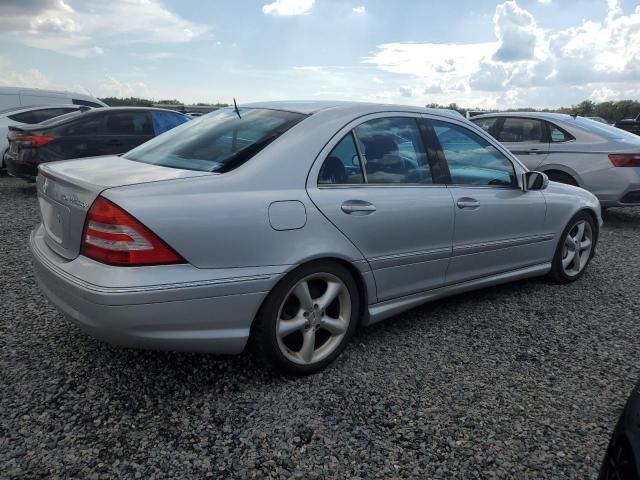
pixel 235 106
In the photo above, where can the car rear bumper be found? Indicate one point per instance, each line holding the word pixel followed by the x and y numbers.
pixel 615 186
pixel 20 169
pixel 203 316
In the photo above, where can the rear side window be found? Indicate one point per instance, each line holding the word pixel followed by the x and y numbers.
pixel 521 130
pixel 164 121
pixel 342 166
pixel 218 142
pixel 393 151
pixel 86 103
pixel 92 124
pixel 472 160
pixel 38 116
pixel 557 135
pixel 128 123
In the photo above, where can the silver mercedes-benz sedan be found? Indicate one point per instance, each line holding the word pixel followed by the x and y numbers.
pixel 288 225
pixel 575 150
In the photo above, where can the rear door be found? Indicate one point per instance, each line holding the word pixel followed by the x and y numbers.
pixel 125 130
pixel 498 227
pixel 526 138
pixel 378 184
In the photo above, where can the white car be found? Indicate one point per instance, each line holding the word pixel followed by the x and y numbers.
pixel 11 97
pixel 19 116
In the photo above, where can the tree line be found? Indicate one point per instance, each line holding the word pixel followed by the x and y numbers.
pixel 611 111
pixel 145 102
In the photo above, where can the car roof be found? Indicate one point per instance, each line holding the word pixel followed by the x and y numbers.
pixel 309 107
pixel 541 115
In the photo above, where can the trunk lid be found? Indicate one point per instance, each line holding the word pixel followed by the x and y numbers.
pixel 67 189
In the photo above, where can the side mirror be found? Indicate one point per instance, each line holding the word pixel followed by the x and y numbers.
pixel 534 181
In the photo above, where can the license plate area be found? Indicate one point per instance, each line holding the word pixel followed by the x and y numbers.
pixel 55 218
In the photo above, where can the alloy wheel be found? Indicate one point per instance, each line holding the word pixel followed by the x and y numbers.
pixel 313 318
pixel 577 248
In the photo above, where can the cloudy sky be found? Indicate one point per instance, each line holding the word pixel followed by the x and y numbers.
pixel 478 53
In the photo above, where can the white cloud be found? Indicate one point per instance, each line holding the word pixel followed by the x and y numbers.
pixel 526 65
pixel 286 8
pixel 545 2
pixel 30 78
pixel 517 32
pixel 406 91
pixel 112 87
pixel 360 9
pixel 55 25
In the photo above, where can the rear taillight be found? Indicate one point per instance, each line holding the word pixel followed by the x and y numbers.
pixel 625 159
pixel 33 141
pixel 113 236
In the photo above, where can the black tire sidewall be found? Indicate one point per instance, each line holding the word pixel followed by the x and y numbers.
pixel 264 341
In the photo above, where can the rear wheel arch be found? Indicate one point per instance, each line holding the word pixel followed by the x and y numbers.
pixel 363 293
pixel 562 176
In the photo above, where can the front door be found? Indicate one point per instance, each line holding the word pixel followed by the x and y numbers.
pixel 376 186
pixel 498 227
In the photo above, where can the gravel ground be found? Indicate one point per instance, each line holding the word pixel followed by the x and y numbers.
pixel 519 381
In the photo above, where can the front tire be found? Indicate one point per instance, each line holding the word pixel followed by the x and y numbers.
pixel 575 249
pixel 307 320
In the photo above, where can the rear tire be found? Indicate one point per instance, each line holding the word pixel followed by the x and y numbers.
pixel 575 249
pixel 562 177
pixel 307 319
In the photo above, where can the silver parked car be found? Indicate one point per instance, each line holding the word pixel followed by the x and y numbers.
pixel 287 225
pixel 602 159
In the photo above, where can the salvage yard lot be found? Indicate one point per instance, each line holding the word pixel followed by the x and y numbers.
pixel 524 380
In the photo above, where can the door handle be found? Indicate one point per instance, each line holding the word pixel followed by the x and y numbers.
pixel 357 207
pixel 534 151
pixel 466 202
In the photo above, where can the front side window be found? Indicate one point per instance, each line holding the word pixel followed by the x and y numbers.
pixel 342 166
pixel 164 121
pixel 128 123
pixel 473 160
pixel 487 124
pixel 218 142
pixel 393 151
pixel 521 130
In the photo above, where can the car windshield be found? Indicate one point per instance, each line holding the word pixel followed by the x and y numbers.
pixel 217 142
pixel 611 133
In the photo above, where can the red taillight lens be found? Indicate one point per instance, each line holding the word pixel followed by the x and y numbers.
pixel 34 141
pixel 113 236
pixel 625 159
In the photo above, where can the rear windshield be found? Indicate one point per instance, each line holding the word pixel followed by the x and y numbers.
pixel 611 133
pixel 62 118
pixel 217 142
